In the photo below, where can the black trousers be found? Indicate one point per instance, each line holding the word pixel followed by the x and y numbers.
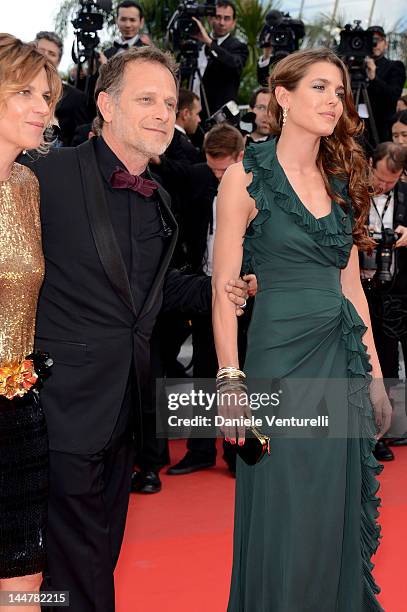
pixel 88 500
pixel 386 313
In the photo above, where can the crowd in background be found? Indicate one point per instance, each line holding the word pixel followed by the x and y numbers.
pixel 191 169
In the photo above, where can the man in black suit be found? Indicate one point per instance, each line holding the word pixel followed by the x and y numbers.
pixel 388 301
pixel 129 20
pixel 71 110
pixel 221 59
pixel 386 81
pixel 186 124
pixel 258 104
pixel 108 237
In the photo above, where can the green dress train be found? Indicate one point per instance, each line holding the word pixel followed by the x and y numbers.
pixel 305 516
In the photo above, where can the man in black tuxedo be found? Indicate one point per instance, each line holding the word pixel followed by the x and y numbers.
pixel 108 237
pixel 186 124
pixel 129 20
pixel 71 110
pixel 386 81
pixel 221 59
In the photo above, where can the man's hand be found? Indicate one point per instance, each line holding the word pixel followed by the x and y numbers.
pixel 402 241
pixel 267 52
pixel 371 68
pixel 240 289
pixel 146 40
pixel 203 35
pixel 102 58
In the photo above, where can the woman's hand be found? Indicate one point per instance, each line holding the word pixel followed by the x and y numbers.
pixel 381 406
pixel 233 407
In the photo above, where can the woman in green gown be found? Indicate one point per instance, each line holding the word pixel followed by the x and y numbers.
pixel 306 515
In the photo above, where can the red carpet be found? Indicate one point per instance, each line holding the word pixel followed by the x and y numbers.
pixel 177 550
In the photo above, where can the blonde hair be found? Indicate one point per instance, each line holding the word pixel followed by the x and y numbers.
pixel 19 64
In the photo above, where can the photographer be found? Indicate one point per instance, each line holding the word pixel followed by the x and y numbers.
pixel 280 36
pixel 129 20
pixel 186 124
pixel 221 58
pixel 385 279
pixel 258 105
pixel 386 80
pixel 71 110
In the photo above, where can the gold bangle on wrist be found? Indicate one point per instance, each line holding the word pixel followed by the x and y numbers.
pixel 230 372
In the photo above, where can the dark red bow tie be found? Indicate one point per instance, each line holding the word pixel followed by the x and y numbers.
pixel 121 179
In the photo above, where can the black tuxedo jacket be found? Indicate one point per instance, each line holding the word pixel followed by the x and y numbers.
pixel 71 111
pixel 110 51
pixel 221 78
pixel 196 186
pixel 384 91
pixel 182 149
pixel 86 318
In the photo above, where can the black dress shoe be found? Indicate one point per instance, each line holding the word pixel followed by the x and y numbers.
pixel 190 463
pixel 145 482
pixel 382 452
pixel 399 441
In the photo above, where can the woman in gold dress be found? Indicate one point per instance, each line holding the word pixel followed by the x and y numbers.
pixel 29 90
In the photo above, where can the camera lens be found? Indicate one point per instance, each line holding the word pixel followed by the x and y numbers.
pixel 357 43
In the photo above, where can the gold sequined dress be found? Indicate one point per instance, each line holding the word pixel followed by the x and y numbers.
pixel 23 438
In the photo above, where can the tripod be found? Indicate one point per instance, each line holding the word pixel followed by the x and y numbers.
pixel 359 91
pixel 189 70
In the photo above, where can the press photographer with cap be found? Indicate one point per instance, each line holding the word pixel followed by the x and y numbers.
pixel 386 80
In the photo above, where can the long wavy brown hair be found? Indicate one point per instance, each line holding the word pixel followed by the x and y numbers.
pixel 339 155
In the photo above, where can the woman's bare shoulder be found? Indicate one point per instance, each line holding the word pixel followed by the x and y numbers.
pixel 236 174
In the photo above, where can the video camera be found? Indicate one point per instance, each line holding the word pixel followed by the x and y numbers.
pixel 88 21
pixel 383 256
pixel 282 33
pixel 356 44
pixel 181 27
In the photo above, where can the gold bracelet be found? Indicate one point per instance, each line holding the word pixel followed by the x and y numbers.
pixel 229 372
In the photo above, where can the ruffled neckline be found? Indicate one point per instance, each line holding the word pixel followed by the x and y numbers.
pixel 333 229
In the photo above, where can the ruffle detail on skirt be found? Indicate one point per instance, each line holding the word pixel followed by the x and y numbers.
pixel 359 402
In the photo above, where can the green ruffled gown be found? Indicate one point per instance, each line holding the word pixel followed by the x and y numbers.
pixel 305 516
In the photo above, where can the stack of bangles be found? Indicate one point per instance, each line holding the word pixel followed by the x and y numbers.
pixel 230 378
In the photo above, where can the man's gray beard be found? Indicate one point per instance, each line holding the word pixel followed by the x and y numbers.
pixel 148 152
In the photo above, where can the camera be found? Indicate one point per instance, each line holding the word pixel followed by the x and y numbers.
pixel 355 45
pixel 229 113
pixel 181 27
pixel 383 256
pixel 90 16
pixel 87 22
pixel 282 33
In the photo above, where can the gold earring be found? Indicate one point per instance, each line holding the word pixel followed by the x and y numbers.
pixel 285 113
